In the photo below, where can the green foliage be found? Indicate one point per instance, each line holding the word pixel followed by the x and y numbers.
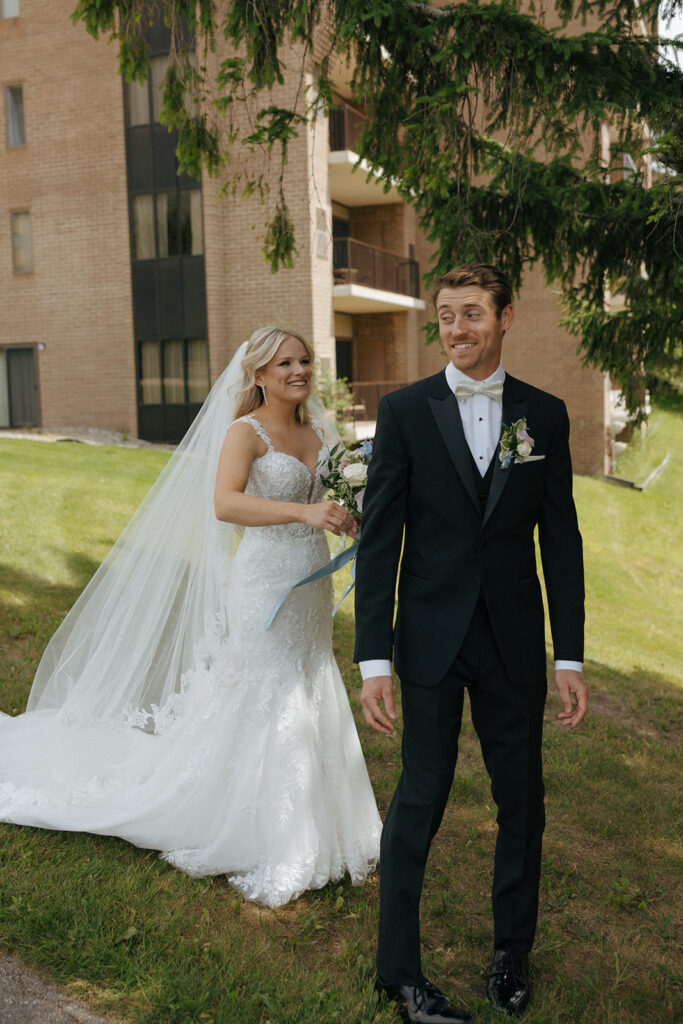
pixel 456 97
pixel 120 930
pixel 336 396
pixel 278 247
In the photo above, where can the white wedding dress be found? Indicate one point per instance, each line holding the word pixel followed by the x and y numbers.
pixel 253 767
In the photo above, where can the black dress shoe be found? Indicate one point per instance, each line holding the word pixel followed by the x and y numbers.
pixel 423 1004
pixel 508 987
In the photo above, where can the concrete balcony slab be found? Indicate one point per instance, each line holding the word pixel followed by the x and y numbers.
pixel 349 183
pixel 358 298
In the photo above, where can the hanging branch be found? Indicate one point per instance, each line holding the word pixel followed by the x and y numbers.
pixel 489 122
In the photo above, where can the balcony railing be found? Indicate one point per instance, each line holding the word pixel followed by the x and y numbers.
pixel 358 263
pixel 346 125
pixel 366 396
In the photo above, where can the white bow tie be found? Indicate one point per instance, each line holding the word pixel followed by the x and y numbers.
pixel 465 388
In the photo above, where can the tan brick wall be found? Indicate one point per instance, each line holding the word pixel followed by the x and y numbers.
pixel 540 351
pixel 71 175
pixel 242 293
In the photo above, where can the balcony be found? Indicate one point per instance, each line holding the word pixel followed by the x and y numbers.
pixel 352 180
pixel 346 124
pixel 371 280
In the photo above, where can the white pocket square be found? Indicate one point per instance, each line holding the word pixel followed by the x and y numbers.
pixel 529 458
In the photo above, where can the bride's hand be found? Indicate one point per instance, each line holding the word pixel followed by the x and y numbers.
pixel 328 515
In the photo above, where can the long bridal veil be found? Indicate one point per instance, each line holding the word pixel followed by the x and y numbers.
pixel 164 713
pixel 154 607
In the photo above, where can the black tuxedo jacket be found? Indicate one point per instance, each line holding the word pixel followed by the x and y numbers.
pixel 422 509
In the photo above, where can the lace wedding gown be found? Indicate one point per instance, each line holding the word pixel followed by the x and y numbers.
pixel 254 769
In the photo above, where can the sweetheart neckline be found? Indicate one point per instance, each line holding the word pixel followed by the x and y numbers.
pixel 278 451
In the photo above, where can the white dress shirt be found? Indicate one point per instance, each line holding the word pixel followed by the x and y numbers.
pixel 482 418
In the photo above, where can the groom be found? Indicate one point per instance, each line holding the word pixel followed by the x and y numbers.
pixel 461 522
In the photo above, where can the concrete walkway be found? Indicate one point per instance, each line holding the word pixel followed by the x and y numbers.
pixel 83 435
pixel 26 999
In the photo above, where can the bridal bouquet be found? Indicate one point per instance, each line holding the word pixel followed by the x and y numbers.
pixel 346 474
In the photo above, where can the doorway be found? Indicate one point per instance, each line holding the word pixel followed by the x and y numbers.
pixel 18 388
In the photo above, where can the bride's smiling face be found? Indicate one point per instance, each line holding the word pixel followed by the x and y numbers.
pixel 288 374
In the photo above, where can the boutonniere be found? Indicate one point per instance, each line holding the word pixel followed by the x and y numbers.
pixel 516 444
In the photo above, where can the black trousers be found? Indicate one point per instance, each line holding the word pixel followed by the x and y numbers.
pixel 509 723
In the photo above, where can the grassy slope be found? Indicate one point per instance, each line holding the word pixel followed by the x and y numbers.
pixel 134 938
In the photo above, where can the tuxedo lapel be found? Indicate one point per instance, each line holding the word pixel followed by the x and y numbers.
pixel 444 406
pixel 515 406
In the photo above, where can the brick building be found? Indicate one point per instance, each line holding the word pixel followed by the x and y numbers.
pixel 126 287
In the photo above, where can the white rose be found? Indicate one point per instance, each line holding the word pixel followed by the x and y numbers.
pixel 355 474
pixel 523 449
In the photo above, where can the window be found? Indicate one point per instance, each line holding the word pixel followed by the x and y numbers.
pixel 179 223
pixel 174 376
pixel 167 223
pixel 137 94
pixel 191 226
pixel 185 368
pixel 150 373
pixel 22 245
pixel 344 354
pixel 143 227
pixel 9 9
pixel 14 115
pixel 197 369
pixel 157 70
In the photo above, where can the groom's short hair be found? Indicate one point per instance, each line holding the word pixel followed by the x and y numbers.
pixel 485 275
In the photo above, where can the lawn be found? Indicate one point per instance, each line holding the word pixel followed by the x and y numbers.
pixel 137 941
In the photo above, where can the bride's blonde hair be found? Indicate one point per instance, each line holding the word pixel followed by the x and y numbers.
pixel 261 347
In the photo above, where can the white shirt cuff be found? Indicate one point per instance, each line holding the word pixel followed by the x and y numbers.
pixel 382 667
pixel 378 667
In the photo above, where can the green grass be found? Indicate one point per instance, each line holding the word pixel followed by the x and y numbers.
pixel 122 931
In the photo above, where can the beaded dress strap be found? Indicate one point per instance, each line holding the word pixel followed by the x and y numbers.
pixel 259 428
pixel 318 430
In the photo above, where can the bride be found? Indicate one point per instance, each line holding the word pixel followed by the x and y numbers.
pixel 163 710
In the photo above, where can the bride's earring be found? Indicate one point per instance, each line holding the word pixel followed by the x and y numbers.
pixel 263 392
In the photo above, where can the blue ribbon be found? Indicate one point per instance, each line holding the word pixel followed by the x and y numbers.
pixel 332 566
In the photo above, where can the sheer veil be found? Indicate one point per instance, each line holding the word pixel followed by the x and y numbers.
pixel 154 606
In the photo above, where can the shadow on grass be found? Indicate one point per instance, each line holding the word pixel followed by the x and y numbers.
pixel 24 585
pixel 28 618
pixel 608 890
pixel 667 396
pixel 132 936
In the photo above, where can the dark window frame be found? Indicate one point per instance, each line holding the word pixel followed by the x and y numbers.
pixel 13 214
pixel 9 17
pixel 8 90
pixel 161 342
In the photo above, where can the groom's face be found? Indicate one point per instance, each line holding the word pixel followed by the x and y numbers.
pixel 471 332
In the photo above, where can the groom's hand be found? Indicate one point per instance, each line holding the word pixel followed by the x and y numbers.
pixel 377 690
pixel 573 692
